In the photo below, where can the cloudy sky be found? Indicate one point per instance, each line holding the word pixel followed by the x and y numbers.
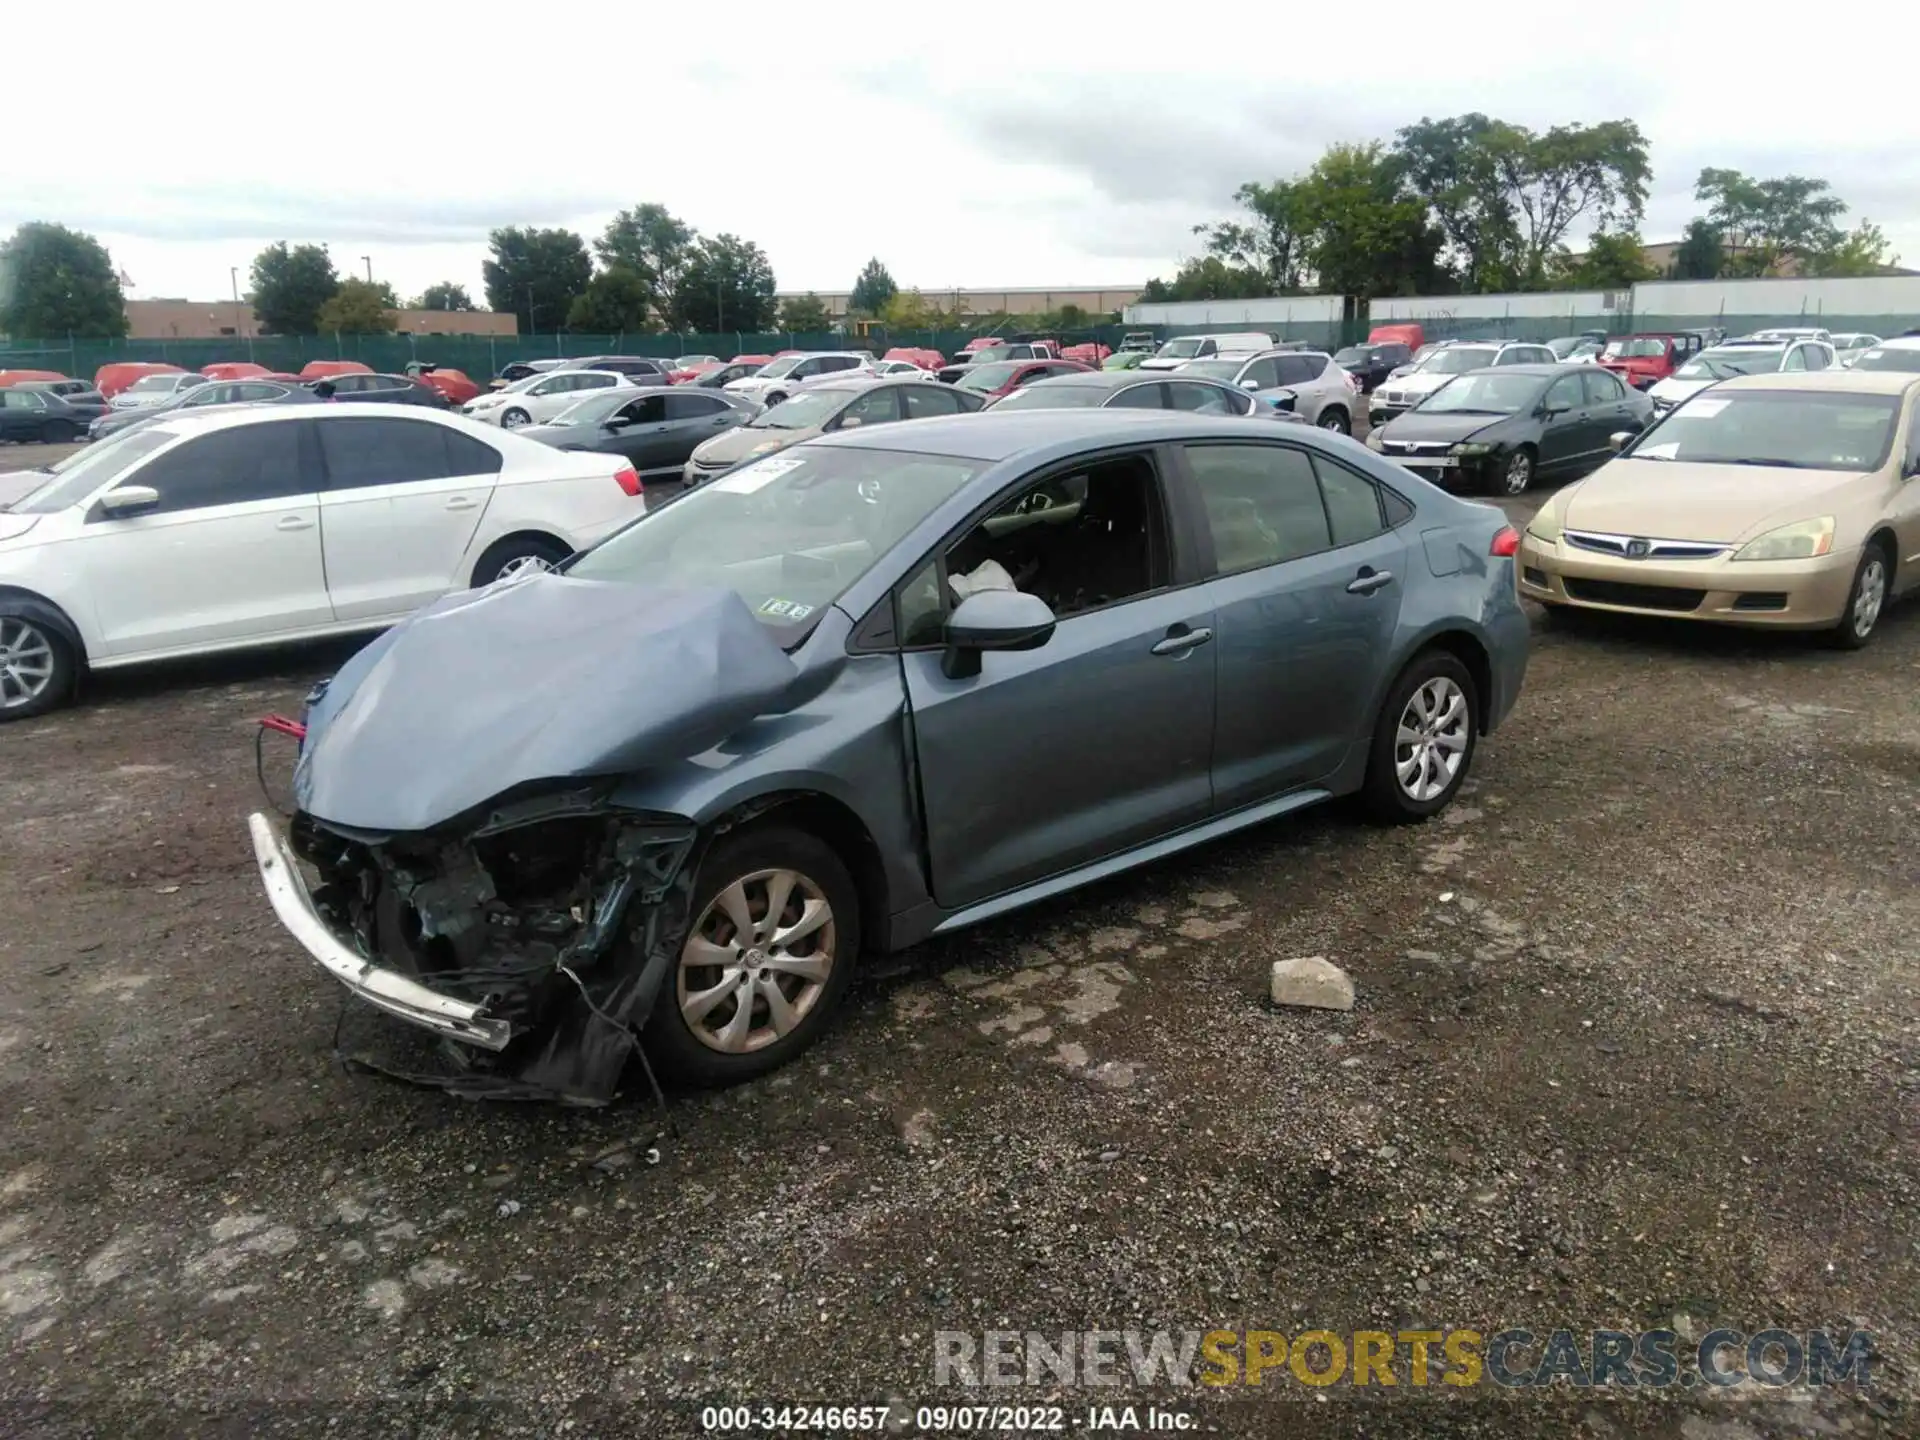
pixel 1057 144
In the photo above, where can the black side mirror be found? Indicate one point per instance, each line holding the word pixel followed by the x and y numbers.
pixel 994 620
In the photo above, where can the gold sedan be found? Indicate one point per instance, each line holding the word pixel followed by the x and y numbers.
pixel 1790 501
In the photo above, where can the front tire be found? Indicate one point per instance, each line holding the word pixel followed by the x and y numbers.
pixel 774 399
pixel 515 554
pixel 1516 475
pixel 1423 742
pixel 38 668
pixel 514 418
pixel 1335 419
pixel 765 963
pixel 1866 600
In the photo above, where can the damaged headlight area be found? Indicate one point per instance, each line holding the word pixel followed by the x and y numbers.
pixel 556 920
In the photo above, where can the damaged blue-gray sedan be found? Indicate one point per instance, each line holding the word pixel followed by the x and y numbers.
pixel 877 687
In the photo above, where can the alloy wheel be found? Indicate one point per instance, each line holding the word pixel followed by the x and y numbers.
pixel 26 663
pixel 1431 742
pixel 757 961
pixel 523 565
pixel 514 419
pixel 1869 596
pixel 1519 473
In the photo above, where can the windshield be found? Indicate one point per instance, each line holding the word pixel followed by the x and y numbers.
pixel 990 352
pixel 1213 369
pixel 1456 360
pixel 79 475
pixel 1890 358
pixel 1054 397
pixel 1566 345
pixel 774 369
pixel 1640 348
pixel 804 411
pixel 787 534
pixel 1725 364
pixel 1489 394
pixel 593 409
pixel 986 377
pixel 1179 349
pixel 1796 429
pixel 151 383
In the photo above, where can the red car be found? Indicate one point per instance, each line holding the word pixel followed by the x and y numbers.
pixel 1643 361
pixel 233 370
pixel 1002 377
pixel 454 384
pixel 689 373
pixel 1090 353
pixel 321 369
pixel 926 359
pixel 110 379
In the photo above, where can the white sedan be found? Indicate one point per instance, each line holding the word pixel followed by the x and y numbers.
pixel 151 390
pixel 258 525
pixel 538 398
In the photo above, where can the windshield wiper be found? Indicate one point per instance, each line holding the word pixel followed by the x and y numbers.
pixel 1760 460
pixel 1467 410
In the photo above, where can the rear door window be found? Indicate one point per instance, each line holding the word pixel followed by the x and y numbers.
pixel 1262 503
pixel 360 453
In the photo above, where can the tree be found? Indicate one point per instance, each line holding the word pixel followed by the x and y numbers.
pixel 358 307
pixel 872 290
pixel 1611 262
pixel 536 274
pixel 648 243
pixel 1452 166
pixel 806 315
pixel 1208 277
pixel 446 296
pixel 56 281
pixel 910 310
pixel 1863 251
pixel 1552 180
pixel 727 284
pixel 290 284
pixel 1362 232
pixel 1768 225
pixel 1269 243
pixel 1700 254
pixel 616 302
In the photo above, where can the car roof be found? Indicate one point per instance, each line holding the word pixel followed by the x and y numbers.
pixel 1868 382
pixel 993 436
pixel 1118 379
pixel 1535 367
pixel 220 417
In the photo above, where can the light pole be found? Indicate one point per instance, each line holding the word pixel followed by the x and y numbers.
pixel 369 263
pixel 233 274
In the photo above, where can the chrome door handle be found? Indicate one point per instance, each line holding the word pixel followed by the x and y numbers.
pixel 1182 643
pixel 293 522
pixel 461 502
pixel 1370 581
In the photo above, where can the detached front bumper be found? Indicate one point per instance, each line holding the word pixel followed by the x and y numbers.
pixel 389 990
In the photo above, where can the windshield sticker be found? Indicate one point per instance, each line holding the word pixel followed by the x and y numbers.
pixel 1701 408
pixel 786 609
pixel 760 474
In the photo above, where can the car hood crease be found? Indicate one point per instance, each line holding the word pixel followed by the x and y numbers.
pixel 539 679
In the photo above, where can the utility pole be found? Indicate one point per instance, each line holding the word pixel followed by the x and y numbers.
pixel 233 274
pixel 369 260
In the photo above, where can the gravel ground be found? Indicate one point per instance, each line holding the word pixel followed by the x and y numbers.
pixel 1635 1039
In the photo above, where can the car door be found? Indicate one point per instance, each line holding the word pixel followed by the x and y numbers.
pixel 1610 409
pixel 230 553
pixel 692 418
pixel 1095 742
pixel 401 498
pixel 642 433
pixel 1306 600
pixel 22 413
pixel 1563 425
pixel 925 401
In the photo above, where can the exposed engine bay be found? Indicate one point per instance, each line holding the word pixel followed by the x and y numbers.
pixel 561 917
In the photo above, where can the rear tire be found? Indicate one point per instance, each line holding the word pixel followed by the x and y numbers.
pixel 516 553
pixel 1334 418
pixel 1430 722
pixel 812 972
pixel 1866 600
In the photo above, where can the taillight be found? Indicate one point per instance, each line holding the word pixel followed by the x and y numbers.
pixel 629 481
pixel 1506 543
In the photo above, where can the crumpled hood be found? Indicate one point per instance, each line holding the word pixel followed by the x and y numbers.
pixel 535 679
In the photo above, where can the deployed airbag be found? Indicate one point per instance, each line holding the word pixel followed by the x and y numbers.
pixel 538 679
